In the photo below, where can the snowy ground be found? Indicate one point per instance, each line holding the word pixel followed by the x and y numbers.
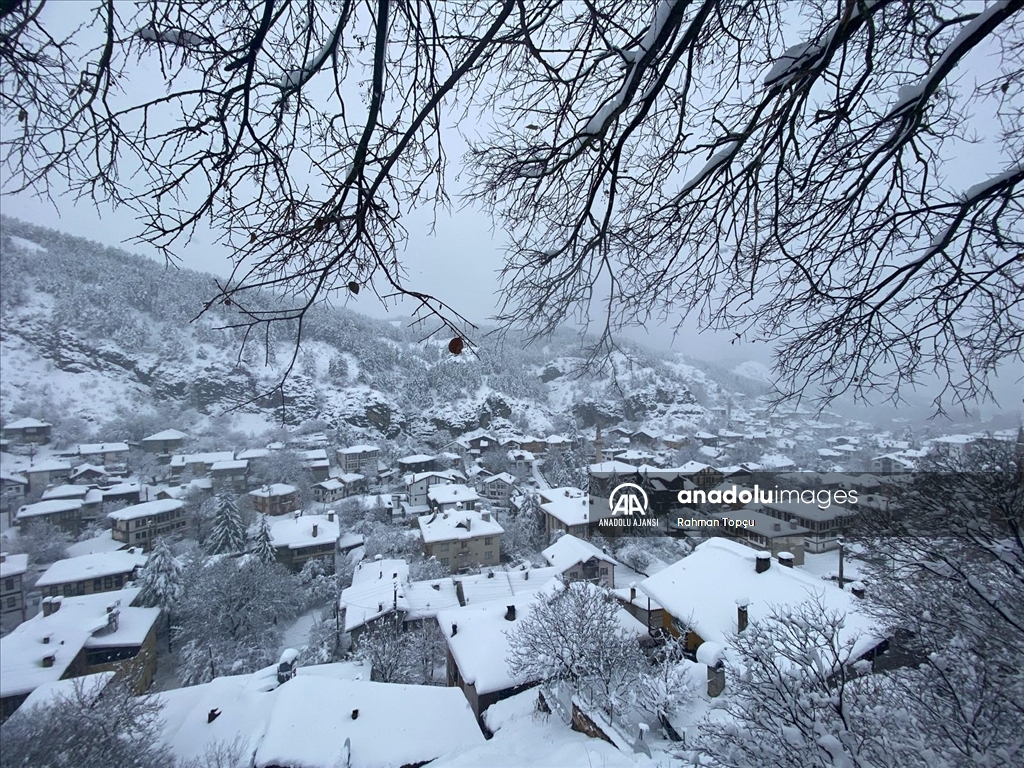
pixel 297 634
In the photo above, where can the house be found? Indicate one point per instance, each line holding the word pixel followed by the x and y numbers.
pixel 556 444
pixel 77 636
pixel 381 592
pixel 360 459
pixel 824 526
pixel 12 490
pixel 141 524
pixel 233 475
pixel 461 538
pixel 316 718
pixel 111 456
pixel 316 461
pixel 451 496
pixel 706 438
pixel 644 437
pixel 478 646
pixel 27 430
pixel 522 459
pixel 956 447
pixel 301 538
pixel 89 474
pixel 579 560
pixel 12 589
pixel 419 462
pixel 767 533
pixel 329 490
pixel 641 607
pixel 91 574
pixel 275 499
pixel 198 463
pixel 64 513
pixel 713 593
pixel 125 493
pixel 164 443
pixel 47 472
pixel 894 463
pixel 565 509
pixel 701 475
pixel 499 488
pixel 418 483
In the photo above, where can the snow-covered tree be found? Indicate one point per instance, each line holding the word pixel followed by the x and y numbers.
pixel 227 531
pixel 663 686
pixel 317 577
pixel 793 697
pixel 524 528
pixel 386 648
pixel 263 543
pixel 574 635
pixel 89 727
pixel 162 582
pixel 43 542
pixel 232 614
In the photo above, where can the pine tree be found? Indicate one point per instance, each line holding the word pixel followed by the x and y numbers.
pixel 161 582
pixel 263 545
pixel 228 531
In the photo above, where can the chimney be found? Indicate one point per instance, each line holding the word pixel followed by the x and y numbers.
pixel 777 527
pixel 3 557
pixel 741 615
pixel 47 606
pixel 763 562
pixel 527 576
pixel 315 530
pixel 793 524
pixel 49 660
pixel 46 639
pixel 485 516
pixel 330 516
pixel 786 559
pixel 55 604
pixel 355 714
pixel 632 593
pixel 510 613
pixel 455 629
pixel 857 589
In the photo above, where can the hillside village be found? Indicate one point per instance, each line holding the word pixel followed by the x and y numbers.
pixel 409 574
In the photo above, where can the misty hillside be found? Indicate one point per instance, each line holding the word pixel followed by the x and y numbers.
pixel 93 331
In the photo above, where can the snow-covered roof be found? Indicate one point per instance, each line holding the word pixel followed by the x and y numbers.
pixel 94 566
pixel 86 449
pixel 479 588
pixel 570 506
pixel 376 586
pixel 457 524
pixel 104 542
pixel 80 622
pixel 13 477
pixel 297 532
pixel 480 645
pixel 253 453
pixel 417 458
pixel 51 507
pixel 224 466
pixel 504 477
pixel 65 492
pixel 147 508
pixel 370 599
pixel 692 467
pixel 613 467
pixel 569 550
pixel 122 489
pixel 81 469
pixel 358 449
pixel 47 465
pixel 167 434
pixel 53 692
pixel 451 493
pixel 703 590
pixel 27 423
pixel 354 722
pixel 274 489
pixel 13 565
pixel 314 454
pixel 183 459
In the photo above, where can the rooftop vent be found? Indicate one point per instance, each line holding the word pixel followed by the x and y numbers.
pixel 212 715
pixel 510 613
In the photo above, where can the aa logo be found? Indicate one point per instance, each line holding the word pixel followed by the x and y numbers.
pixel 628 499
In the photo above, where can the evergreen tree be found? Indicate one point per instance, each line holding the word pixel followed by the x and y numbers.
pixel 228 531
pixel 161 582
pixel 263 545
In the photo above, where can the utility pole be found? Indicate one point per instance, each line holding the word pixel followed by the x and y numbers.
pixel 840 542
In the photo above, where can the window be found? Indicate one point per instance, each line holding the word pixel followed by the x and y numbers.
pixel 488 540
pixel 574 574
pixel 604 571
pixel 119 580
pixel 464 545
pixel 12 602
pixel 444 561
pixel 97 585
pixel 489 554
pixel 445 547
pixel 108 582
pixel 9 585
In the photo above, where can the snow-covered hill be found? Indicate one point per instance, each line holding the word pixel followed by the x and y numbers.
pixel 755 371
pixel 92 332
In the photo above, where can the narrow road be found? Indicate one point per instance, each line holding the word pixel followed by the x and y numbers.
pixel 537 476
